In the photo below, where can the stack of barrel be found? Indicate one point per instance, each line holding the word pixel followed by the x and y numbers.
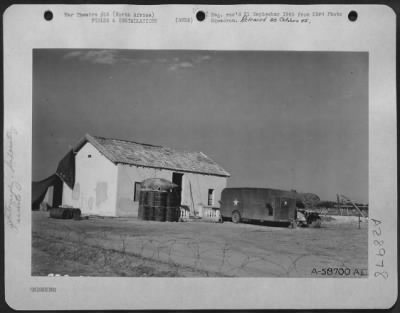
pixel 159 200
pixel 65 213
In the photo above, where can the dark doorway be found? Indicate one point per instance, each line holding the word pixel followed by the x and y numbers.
pixel 57 193
pixel 177 179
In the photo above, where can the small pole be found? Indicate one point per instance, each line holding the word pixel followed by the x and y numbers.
pixel 338 203
pixel 359 220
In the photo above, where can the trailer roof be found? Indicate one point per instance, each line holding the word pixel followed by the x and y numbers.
pixel 257 188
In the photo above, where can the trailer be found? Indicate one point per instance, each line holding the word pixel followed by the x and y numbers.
pixel 258 205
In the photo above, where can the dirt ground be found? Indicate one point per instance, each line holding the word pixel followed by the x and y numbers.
pixel 130 247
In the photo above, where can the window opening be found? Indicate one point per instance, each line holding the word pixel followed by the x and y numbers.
pixel 210 197
pixel 137 191
pixel 270 209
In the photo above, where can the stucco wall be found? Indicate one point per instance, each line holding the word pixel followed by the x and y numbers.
pixel 194 187
pixel 95 183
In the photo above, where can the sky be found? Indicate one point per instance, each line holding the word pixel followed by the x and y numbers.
pixel 272 119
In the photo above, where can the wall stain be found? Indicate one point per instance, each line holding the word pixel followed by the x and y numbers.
pixel 101 192
pixel 90 203
pixel 76 192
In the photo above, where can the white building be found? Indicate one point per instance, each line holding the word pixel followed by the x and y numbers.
pixel 103 176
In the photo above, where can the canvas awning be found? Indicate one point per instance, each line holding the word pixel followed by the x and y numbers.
pixel 66 169
pixel 39 190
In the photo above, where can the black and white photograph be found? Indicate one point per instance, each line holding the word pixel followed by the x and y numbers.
pixel 185 157
pixel 200 163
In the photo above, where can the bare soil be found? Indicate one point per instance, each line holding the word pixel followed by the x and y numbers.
pixel 130 247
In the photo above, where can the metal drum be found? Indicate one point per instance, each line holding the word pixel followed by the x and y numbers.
pixel 173 204
pixel 159 204
pixel 158 200
pixel 61 213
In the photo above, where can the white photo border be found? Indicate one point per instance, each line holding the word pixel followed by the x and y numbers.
pixel 374 32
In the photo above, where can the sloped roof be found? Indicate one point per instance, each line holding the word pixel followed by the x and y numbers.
pixel 146 155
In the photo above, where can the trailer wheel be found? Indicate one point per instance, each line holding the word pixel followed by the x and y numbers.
pixel 236 217
pixel 316 223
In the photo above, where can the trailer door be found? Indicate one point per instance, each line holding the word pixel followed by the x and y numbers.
pixel 282 213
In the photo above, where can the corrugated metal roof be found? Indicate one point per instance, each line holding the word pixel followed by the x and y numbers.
pixel 146 155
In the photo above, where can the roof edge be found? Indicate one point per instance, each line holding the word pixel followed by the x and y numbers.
pixel 222 169
pixel 175 169
pixel 89 138
pixel 126 140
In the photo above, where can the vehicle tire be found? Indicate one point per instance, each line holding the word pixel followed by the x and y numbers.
pixel 236 217
pixel 316 223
